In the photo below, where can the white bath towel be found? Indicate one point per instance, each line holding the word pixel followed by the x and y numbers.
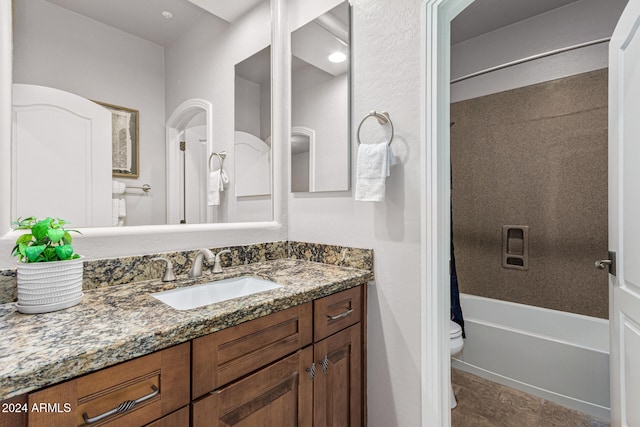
pixel 217 179
pixel 372 169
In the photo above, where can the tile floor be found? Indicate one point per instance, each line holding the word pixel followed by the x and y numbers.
pixel 482 403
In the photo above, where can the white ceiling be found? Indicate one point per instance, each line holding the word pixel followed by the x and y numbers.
pixel 143 18
pixel 227 9
pixel 483 16
pixel 257 67
pixel 315 41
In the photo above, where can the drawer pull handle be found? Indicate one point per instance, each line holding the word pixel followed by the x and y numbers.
pixel 341 315
pixel 125 406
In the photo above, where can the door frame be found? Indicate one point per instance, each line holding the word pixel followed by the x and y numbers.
pixel 175 127
pixel 435 300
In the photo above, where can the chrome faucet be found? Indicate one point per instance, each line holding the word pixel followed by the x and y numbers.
pixel 217 267
pixel 169 275
pixel 196 267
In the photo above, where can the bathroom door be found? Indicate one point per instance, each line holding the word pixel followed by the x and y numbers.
pixel 61 149
pixel 624 217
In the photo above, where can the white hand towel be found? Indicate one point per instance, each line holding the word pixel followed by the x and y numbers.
pixel 217 180
pixel 118 187
pixel 122 208
pixel 115 208
pixel 224 179
pixel 372 169
pixel 213 192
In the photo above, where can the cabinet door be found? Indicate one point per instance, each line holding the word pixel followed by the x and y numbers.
pixel 279 395
pixel 338 380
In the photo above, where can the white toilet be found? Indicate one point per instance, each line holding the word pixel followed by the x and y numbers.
pixel 455 344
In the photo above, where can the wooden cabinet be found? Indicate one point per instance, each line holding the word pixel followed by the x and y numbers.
pixel 158 384
pixel 335 312
pixel 303 366
pixel 338 386
pixel 279 395
pixel 180 418
pixel 13 411
pixel 320 385
pixel 224 356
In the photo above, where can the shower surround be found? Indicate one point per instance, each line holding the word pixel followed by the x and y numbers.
pixel 534 156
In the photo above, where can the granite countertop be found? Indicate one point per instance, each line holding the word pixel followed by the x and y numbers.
pixel 118 323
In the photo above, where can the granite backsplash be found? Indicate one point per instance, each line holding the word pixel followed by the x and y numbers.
pixel 118 271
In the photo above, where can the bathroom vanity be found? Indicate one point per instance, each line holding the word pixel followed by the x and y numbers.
pixel 290 356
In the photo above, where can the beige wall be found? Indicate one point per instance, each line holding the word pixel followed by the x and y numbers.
pixel 534 156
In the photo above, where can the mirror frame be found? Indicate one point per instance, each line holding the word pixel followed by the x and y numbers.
pixel 109 242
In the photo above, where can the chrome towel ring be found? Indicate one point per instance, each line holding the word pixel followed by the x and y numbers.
pixel 382 117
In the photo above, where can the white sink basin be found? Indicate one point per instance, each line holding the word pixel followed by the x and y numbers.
pixel 212 292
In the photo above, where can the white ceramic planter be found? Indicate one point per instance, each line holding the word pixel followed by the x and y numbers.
pixel 49 286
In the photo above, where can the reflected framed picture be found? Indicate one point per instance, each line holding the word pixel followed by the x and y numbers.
pixel 125 149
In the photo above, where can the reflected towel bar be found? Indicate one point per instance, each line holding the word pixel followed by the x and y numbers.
pixel 145 187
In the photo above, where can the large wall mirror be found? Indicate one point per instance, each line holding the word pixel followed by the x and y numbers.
pixel 320 100
pixel 162 60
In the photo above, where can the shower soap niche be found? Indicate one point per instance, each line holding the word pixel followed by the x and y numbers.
pixel 515 247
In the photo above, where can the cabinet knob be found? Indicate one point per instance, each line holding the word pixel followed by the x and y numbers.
pixel 312 371
pixel 325 364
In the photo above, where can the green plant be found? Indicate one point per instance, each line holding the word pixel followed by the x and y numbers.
pixel 46 241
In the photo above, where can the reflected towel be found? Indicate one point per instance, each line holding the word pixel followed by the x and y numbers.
pixel 372 169
pixel 217 179
pixel 122 208
pixel 115 207
pixel 118 212
pixel 118 187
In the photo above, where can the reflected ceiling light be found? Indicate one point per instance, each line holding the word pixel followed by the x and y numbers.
pixel 167 14
pixel 337 57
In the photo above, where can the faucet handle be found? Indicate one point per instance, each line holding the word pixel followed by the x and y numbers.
pixel 226 251
pixel 169 275
pixel 217 266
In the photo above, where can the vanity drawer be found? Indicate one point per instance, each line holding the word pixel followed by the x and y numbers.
pixel 336 312
pixel 224 356
pixel 159 381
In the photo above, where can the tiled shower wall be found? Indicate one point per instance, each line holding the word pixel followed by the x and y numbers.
pixel 534 156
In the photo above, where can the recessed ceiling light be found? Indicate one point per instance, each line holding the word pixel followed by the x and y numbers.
pixel 167 14
pixel 337 57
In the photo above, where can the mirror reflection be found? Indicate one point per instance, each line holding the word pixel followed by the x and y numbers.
pixel 252 138
pixel 172 63
pixel 320 110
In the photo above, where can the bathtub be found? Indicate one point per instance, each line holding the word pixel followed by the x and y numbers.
pixel 559 356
